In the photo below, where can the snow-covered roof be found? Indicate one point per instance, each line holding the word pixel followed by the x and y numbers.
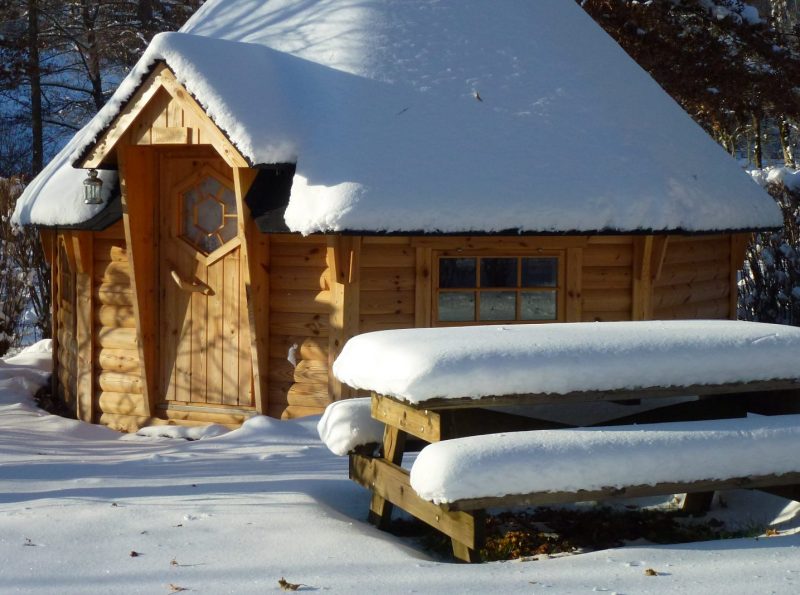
pixel 422 115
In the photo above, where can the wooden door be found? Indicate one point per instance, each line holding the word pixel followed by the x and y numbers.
pixel 204 333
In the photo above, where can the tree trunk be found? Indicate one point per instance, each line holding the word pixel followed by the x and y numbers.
pixel 786 142
pixel 34 74
pixel 89 15
pixel 758 154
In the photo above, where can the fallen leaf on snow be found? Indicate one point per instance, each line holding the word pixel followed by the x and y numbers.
pixel 287 586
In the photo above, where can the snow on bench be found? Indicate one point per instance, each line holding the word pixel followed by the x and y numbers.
pixel 346 425
pixel 593 460
pixel 420 364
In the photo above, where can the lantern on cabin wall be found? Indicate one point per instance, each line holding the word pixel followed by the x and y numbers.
pixel 92 189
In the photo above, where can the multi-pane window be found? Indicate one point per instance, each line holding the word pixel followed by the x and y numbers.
pixel 208 214
pixel 497 288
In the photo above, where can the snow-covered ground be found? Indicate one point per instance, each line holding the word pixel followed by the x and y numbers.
pixel 234 513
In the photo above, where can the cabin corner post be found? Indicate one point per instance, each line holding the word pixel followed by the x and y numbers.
pixel 642 308
pixel 343 257
pixel 255 252
pixel 574 285
pixel 84 323
pixel 139 189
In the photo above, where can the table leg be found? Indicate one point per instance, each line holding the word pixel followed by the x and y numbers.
pixel 394 442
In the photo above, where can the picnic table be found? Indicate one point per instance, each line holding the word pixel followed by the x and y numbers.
pixel 442 393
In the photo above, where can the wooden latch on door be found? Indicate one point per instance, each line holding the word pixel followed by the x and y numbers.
pixel 192 286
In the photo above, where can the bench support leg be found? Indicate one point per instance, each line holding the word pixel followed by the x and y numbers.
pixel 697 503
pixel 462 551
pixel 380 509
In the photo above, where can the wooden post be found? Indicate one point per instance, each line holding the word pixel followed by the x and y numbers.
pixel 423 287
pixel 574 285
pixel 642 308
pixel 343 257
pixel 255 252
pixel 84 323
pixel 138 174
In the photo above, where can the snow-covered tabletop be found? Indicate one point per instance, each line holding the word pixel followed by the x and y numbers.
pixel 418 365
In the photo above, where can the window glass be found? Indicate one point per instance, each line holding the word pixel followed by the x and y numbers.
pixel 539 272
pixel 457 272
pixel 210 187
pixel 209 215
pixel 498 305
pixel 228 231
pixel 498 272
pixel 456 306
pixel 538 305
pixel 210 243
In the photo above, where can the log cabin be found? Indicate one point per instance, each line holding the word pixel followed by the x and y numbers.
pixel 278 177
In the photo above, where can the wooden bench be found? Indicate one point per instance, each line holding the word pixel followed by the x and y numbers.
pixel 444 419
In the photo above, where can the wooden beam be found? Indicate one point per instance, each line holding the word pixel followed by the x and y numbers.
pixel 343 257
pixel 48 238
pixel 255 251
pixel 642 308
pixel 391 482
pixel 162 135
pixel 423 287
pixel 105 145
pixel 139 185
pixel 500 242
pixel 209 131
pixel 420 423
pixel 574 285
pixel 636 491
pixel 659 254
pixel 760 386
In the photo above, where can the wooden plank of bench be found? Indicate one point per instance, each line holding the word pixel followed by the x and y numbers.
pixel 433 426
pixel 761 386
pixel 768 482
pixel 391 482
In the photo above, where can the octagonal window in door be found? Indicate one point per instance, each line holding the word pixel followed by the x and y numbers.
pixel 208 214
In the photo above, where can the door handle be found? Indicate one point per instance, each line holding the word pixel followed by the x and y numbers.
pixel 191 286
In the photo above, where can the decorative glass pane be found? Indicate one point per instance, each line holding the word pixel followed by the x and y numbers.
pixel 498 305
pixel 498 272
pixel 228 231
pixel 457 272
pixel 210 187
pixel 229 200
pixel 210 243
pixel 539 272
pixel 209 215
pixel 456 306
pixel 538 305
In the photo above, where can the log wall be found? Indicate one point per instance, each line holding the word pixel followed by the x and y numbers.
pixel 387 284
pixel 607 279
pixel 64 319
pixel 117 370
pixel 299 322
pixel 695 280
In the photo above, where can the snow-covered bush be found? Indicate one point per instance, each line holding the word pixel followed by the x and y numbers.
pixel 769 286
